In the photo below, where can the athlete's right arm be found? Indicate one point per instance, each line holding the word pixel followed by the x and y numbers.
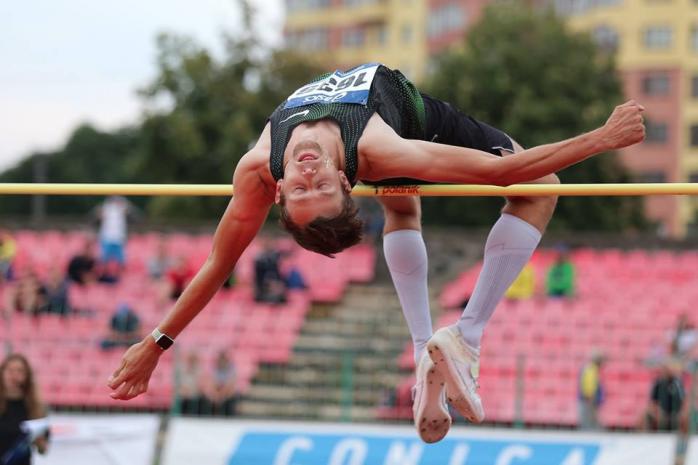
pixel 240 223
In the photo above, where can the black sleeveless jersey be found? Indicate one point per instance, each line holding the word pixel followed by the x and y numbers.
pixel 350 99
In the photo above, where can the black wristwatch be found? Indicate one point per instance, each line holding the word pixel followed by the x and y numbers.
pixel 162 339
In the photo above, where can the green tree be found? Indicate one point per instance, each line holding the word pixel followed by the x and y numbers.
pixel 219 110
pixel 522 70
pixel 89 155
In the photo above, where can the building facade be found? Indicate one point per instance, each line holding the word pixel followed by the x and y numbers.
pixel 655 41
pixel 656 45
pixel 400 33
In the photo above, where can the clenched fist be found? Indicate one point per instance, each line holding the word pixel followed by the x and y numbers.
pixel 624 127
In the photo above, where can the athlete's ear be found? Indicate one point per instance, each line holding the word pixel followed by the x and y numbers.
pixel 277 196
pixel 346 185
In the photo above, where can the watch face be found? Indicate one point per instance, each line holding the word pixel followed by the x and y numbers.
pixel 165 342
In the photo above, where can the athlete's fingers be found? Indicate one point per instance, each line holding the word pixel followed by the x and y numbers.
pixel 118 376
pixel 122 392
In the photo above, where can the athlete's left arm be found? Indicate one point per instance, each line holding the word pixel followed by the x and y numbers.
pixel 387 155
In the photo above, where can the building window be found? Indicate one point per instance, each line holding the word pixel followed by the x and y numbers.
pixel 652 176
pixel 606 38
pixel 577 7
pixel 694 135
pixel 293 6
pixel 694 38
pixel 406 33
pixel 694 87
pixel 309 39
pixel 446 19
pixel 358 2
pixel 658 37
pixel 381 35
pixel 657 132
pixel 353 37
pixel 655 84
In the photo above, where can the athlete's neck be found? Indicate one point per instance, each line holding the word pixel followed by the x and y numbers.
pixel 326 133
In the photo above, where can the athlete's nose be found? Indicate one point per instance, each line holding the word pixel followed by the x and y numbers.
pixel 308 171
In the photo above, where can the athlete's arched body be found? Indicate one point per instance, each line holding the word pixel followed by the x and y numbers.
pixel 372 125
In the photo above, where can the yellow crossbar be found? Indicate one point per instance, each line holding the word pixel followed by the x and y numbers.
pixel 433 190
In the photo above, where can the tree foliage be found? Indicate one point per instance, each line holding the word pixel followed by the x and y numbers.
pixel 523 71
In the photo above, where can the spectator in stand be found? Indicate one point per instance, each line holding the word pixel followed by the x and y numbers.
pixel 221 395
pixel 524 286
pixel 82 267
pixel 269 285
pixel 292 275
pixel 26 296
pixel 124 328
pixel 683 338
pixel 113 216
pixel 189 388
pixel 8 250
pixel 110 272
pixel 373 219
pixel 560 279
pixel 666 410
pixel 57 293
pixel 294 279
pixel 178 277
pixel 590 392
pixel 160 262
pixel 19 402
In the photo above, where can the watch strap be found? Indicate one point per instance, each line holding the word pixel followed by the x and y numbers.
pixel 162 339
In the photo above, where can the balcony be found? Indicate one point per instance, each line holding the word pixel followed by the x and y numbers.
pixel 361 13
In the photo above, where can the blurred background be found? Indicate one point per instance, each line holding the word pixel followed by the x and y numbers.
pixel 299 353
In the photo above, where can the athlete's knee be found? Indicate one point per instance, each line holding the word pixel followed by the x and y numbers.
pixel 543 203
pixel 401 207
pixel 401 213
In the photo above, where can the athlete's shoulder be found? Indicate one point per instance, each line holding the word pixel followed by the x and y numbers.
pixel 252 170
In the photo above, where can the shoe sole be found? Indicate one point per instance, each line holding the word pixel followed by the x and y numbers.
pixel 454 389
pixel 432 421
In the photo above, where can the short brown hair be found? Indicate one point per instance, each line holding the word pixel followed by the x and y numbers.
pixel 326 236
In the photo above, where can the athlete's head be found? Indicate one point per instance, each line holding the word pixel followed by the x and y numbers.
pixel 315 200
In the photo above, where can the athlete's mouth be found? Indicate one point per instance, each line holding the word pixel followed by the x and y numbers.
pixel 307 156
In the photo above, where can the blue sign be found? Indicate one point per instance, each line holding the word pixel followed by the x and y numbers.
pixel 264 448
pixel 351 86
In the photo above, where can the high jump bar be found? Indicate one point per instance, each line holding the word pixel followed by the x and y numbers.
pixel 430 190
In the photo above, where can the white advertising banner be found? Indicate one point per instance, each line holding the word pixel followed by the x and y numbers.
pixel 101 440
pixel 220 442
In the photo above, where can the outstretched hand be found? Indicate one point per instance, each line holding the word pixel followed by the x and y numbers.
pixel 625 126
pixel 133 375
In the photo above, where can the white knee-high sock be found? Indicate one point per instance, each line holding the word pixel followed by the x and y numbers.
pixel 509 246
pixel 406 256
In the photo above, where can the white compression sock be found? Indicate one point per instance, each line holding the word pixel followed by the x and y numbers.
pixel 509 247
pixel 406 256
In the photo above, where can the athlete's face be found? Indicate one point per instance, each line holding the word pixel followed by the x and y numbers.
pixel 312 185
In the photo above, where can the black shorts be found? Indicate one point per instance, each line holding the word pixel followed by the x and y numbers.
pixel 447 125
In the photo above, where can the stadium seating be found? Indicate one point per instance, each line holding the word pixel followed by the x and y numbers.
pixel 627 305
pixel 73 369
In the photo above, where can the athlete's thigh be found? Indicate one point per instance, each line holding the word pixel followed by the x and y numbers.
pixel 401 205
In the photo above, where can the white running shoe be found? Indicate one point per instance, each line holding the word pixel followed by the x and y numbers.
pixel 431 417
pixel 459 364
